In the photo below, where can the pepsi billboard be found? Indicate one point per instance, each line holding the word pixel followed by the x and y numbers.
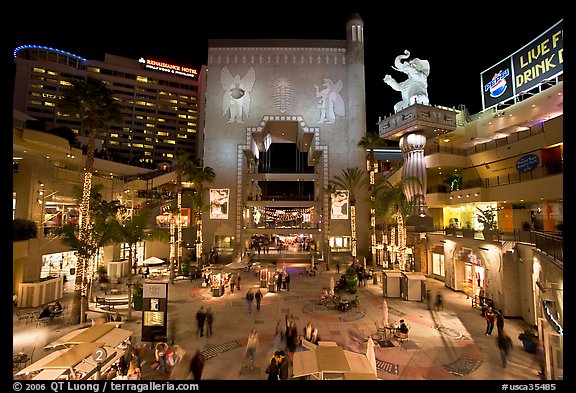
pixel 540 60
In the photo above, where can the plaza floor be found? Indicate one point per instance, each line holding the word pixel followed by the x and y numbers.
pixel 448 344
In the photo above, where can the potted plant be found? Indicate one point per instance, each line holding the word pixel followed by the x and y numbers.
pixel 529 338
pixel 468 231
pixel 454 181
pixel 487 218
pixel 351 280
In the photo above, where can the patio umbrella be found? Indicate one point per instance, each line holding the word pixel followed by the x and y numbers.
pixel 331 285
pixel 385 312
pixel 371 354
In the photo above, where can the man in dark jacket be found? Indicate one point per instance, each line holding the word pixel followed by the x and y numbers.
pixel 201 318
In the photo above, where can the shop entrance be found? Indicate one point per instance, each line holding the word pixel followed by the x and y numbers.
pixel 475 280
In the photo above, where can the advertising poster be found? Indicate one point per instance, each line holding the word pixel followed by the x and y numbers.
pixel 219 199
pixel 340 205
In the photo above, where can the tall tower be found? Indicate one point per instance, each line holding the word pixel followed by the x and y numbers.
pixel 357 121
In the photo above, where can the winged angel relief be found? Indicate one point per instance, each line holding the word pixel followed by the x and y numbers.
pixel 236 99
pixel 330 101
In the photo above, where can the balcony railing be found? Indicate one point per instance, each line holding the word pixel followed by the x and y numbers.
pixel 550 243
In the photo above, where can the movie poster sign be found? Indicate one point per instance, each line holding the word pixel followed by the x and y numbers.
pixel 340 205
pixel 538 61
pixel 219 202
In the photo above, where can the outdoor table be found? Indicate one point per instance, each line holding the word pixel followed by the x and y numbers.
pixel 20 358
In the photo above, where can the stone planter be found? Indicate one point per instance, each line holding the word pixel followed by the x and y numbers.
pixel 490 234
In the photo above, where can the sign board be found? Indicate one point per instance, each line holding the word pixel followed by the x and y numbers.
pixel 540 60
pixel 154 312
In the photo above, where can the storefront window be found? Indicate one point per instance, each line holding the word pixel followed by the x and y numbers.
pixel 438 264
pixel 340 243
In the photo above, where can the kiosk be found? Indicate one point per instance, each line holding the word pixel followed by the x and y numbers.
pixel 263 278
pixel 413 286
pixel 391 283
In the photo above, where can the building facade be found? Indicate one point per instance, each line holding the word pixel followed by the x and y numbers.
pixel 158 100
pixel 282 118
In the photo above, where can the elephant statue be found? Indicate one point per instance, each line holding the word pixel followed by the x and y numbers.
pixel 414 89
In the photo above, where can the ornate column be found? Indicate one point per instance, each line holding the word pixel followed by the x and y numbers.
pixel 412 146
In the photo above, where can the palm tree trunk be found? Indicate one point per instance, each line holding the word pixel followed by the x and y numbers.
pixel 129 284
pixel 84 220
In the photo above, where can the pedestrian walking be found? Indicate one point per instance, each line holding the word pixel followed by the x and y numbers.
pixel 238 279
pixel 429 299
pixel 504 343
pixel 279 282
pixel 283 365
pixel 338 267
pixel 499 321
pixel 250 299
pixel 251 348
pixel 209 321
pixel 439 302
pixel 197 365
pixel 273 370
pixel 160 356
pixel 232 283
pixel 201 319
pixel 258 297
pixel 490 319
pixel 287 281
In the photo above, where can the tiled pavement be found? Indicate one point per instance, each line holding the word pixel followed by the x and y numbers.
pixel 443 345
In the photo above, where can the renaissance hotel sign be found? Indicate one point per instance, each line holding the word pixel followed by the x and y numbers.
pixel 168 67
pixel 540 60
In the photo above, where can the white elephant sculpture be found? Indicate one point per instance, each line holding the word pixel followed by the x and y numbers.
pixel 414 89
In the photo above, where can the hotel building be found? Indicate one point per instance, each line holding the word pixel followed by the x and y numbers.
pixel 158 100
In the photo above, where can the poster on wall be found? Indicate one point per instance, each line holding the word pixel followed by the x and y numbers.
pixel 219 199
pixel 340 205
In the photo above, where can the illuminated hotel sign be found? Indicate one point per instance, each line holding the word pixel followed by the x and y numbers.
pixel 540 60
pixel 167 67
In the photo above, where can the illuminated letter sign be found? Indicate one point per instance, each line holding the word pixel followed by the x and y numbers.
pixel 540 60
pixel 167 67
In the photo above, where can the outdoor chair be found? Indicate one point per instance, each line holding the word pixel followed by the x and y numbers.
pixel 22 317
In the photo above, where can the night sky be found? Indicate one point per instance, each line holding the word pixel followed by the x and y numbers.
pixel 459 42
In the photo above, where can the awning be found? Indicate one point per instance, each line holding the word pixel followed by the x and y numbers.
pixel 49 375
pixel 73 356
pixel 153 261
pixel 334 361
pixel 41 363
pixel 107 333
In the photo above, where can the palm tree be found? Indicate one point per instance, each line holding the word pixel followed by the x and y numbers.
pixel 174 218
pixel 133 230
pixel 353 180
pixel 182 166
pixel 371 141
pixel 102 232
pixel 330 189
pixel 199 175
pixel 390 201
pixel 92 103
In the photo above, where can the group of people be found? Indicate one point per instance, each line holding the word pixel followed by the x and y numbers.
pixel 204 320
pixel 277 369
pixel 282 281
pixel 166 356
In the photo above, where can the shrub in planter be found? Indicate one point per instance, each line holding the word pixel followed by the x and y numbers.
pixel 351 280
pixel 137 295
pixel 529 338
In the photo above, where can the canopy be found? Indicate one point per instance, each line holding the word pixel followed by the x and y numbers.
pixel 153 261
pixel 107 334
pixel 77 358
pixel 334 361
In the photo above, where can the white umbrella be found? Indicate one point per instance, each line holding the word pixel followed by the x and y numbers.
pixel 331 285
pixel 385 312
pixel 371 354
